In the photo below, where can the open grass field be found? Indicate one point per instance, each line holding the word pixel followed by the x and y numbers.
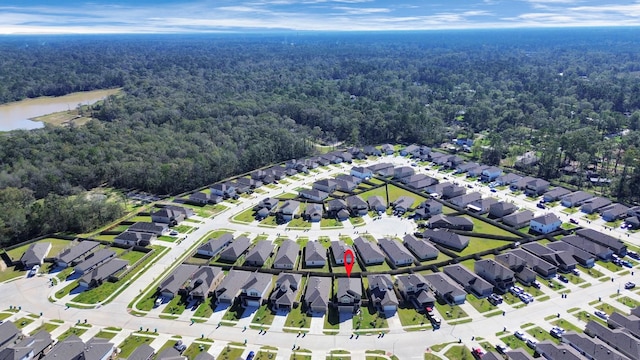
pixel 57 245
pixel 477 244
pixel 480 226
pixel 394 193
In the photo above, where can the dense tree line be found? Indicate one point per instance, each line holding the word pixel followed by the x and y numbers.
pixel 196 109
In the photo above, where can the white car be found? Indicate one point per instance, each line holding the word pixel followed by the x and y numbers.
pixel 520 335
pixel 34 270
pixel 516 290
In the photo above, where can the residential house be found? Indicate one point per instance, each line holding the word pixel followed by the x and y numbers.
pixel 382 294
pixel 29 347
pixel 415 290
pixel 71 255
pixel 465 166
pixel 332 158
pixel 322 161
pixel 427 208
pixel 288 210
pixel 629 322
pixel 212 247
pixel 540 266
pixel 481 206
pixel 594 205
pixel 325 185
pixel 93 260
pixel 582 257
pixel 547 349
pixel 202 283
pixel 345 156
pixel 410 150
pixel 545 224
pixel 591 348
pixel 313 212
pixel 377 203
pixel 357 206
pixel 518 265
pixel 442 221
pixel 342 215
pixel 170 353
pixel 563 260
pixel 316 295
pixel 103 272
pixel 255 289
pixel 287 255
pixel 575 199
pixel 234 250
pixel 231 286
pixel 251 183
pixel 618 247
pixel 226 190
pixel 422 249
pixel 476 171
pixel 466 199
pixel 521 184
pixel 312 194
pixel 446 288
pixel 266 203
pixel 73 348
pixel 259 254
pixel 171 285
pixel 498 275
pixel 518 354
pixel 361 172
pixel 600 251
pixel 132 238
pixel 338 249
pixel 8 333
pixel 370 254
pixel 315 255
pixel 526 160
pixel 614 212
pixel 555 194
pixel 346 185
pixel 335 205
pixel 370 150
pixel 420 181
pixel 490 174
pixel 536 187
pixel 285 292
pixel 507 179
pixel 382 169
pixel 501 209
pixel 348 295
pixel 619 339
pixel 403 203
pixel 171 215
pixel 439 188
pixel 519 219
pixel 397 254
pixel 157 229
pixel 349 178
pixel 402 172
pixel 388 149
pixel 471 282
pixel 447 239
pixel 142 352
pixel 202 198
pixel 450 191
pixel 35 254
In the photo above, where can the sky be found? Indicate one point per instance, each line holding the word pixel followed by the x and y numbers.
pixel 171 16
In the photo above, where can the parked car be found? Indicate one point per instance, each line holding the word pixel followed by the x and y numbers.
pixel 526 298
pixel 436 322
pixel 535 284
pixel 541 206
pixel 501 348
pixel 563 279
pixel 34 270
pixel 629 285
pixel 516 290
pixel 173 233
pixel 495 299
pixel 477 353
pixel 556 332
pixel 520 335
pixel 532 343
pixel 158 302
pixel 180 346
pixel 626 264
pixel 601 314
pixel 633 255
pixel 493 190
pixel 251 355
pixel 575 272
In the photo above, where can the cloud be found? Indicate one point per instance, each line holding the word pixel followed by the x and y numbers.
pixel 361 11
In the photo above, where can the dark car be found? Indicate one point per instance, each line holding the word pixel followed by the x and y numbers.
pixel 629 285
pixel 573 221
pixel 251 355
pixel 563 279
pixel 541 206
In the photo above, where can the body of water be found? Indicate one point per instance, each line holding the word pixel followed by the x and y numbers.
pixel 17 115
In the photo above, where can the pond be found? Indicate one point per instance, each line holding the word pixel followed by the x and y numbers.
pixel 18 114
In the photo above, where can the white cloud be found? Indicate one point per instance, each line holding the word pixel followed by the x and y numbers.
pixel 361 11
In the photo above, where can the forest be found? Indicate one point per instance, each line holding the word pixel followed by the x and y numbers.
pixel 196 109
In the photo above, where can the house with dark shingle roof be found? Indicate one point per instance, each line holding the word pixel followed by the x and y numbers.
pixel 446 289
pixel 132 238
pixel 419 181
pixel 234 250
pixel 8 333
pixel 471 282
pixel 519 219
pixel 594 205
pixel 481 206
pixel 592 348
pixel 226 190
pixel 563 260
pixel 103 272
pixel 361 172
pixel 338 248
pixel 171 285
pixel 441 221
pixel 502 208
pixel 325 185
pixel 35 254
pixel 73 348
pixel 382 169
pixel 287 255
pixel 69 256
pixel 582 257
pixel 259 254
pixel 94 260
pixel 402 172
pixel 231 286
pixel 555 194
pixel 382 293
pixel 142 352
pixel 212 247
pixel 316 295
pixel 575 199
pixel 315 255
pixel 388 149
pixel 542 267
pixel 629 322
pixel 255 289
pixel 422 249
pixel 614 212
pixel 403 203
pixel 428 208
pixel 289 209
pixel 522 272
pixel 415 290
pixel 285 291
pixel 171 215
pixel 30 347
pixel 466 199
pixel 377 203
pixel 396 253
pixel 536 187
pixel 618 339
pixel 203 282
pixel 357 206
pixel 158 229
pixel 508 179
pixel 335 205
pixel 545 224
pixel 550 350
pixel 348 295
pixel 499 276
pixel 313 212
pixel 312 194
pixel 369 253
pixel 617 245
pixel 447 239
pixel 602 252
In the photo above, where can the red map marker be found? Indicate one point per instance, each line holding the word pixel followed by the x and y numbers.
pixel 349 259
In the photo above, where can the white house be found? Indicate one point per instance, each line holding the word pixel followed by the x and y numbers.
pixel 545 224
pixel 361 172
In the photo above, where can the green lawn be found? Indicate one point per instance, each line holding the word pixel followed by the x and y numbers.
pixel 230 353
pixel 539 334
pixel 409 316
pixel 176 306
pixel 185 229
pixel 299 223
pixel 49 327
pixel 515 343
pixel 246 216
pixel 297 318
pixel 368 319
pixel 131 343
pixel 593 273
pixel 330 223
pixel 477 244
pixel 132 256
pixel 11 273
pixel 459 352
pixel 57 245
pixel 585 316
pixel 72 331
pixel 394 193
pixel 566 325
pixel 450 312
pixel 356 221
pixel 233 313
pixel 263 316
pixel 480 226
pixel 194 349
pixel 482 305
pixel 610 266
pixel 632 303
pixel 205 309
pixel 22 322
pixel 332 319
pixel 609 309
pixel 106 335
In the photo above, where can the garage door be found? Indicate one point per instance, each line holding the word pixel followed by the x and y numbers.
pixel 253 303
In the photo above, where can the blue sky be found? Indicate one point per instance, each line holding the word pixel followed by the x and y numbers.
pixel 152 16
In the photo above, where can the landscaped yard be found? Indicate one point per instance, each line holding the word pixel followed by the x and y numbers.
pixel 57 245
pixel 566 325
pixel 132 256
pixel 49 327
pixel 539 334
pixel 409 316
pixel 131 343
pixel 450 312
pixel 299 223
pixel 330 223
pixel 458 353
pixel 632 303
pixel 514 343
pixel 480 226
pixel 608 309
pixel 176 306
pixel 194 349
pixel 263 316
pixel 72 331
pixel 482 305
pixel 394 193
pixel 477 244
pixel 106 335
pixel 368 318
pixel 332 319
pixel 230 353
pixel 204 310
pixel 296 318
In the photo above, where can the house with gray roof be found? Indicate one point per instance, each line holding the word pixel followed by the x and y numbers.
pixel 347 185
pixel 259 254
pixel 35 254
pixel 499 276
pixel 285 292
pixel 550 350
pixel 202 283
pixel 382 169
pixel 477 170
pixel 617 245
pixel 471 282
pixel 255 289
pixel 521 184
pixel 171 285
pixel 519 219
pixel 71 255
pixel 582 257
pixel 563 260
pixel 422 249
pixel 170 354
pixel 30 347
pixel 542 267
pixel 8 333
pixel 369 253
pixel 403 203
pixel 410 150
pixel 446 289
pixel 73 348
pixel 522 272
pixel 313 212
pixel 518 354
pixel 202 198
pixel 212 247
pixel 93 260
pixel 338 248
pixel 132 238
pixel 446 238
pixel 442 221
pixel 402 172
pixel 203 355
pixel 508 179
pixel 397 254
pixel 103 272
pixel 481 206
pixel 415 290
pixel 357 205
pixel 267 203
pixel 575 199
pixel 388 149
pixel 629 322
pixel 171 215
pixel 361 172
pixel 158 229
pixel 316 295
pixel 226 190
pixel 287 255
pixel 466 199
pixel 618 339
pixel 594 205
pixel 591 348
pixel 231 286
pixel 289 209
pixel 325 185
pixel 335 205
pixel 555 194
pixel 614 212
pixel 382 293
pixel 349 178
pixel 234 250
pixel 348 295
pixel 490 173
pixel 377 203
pixel 419 181
pixel 501 209
pixel 142 352
pixel 602 252
pixel 536 187
pixel 315 255
pixel 545 224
